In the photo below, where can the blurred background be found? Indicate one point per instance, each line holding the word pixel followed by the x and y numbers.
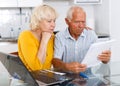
pixel 102 16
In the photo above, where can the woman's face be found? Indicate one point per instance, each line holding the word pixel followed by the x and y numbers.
pixel 47 25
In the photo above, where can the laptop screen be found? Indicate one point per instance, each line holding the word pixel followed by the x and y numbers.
pixel 17 69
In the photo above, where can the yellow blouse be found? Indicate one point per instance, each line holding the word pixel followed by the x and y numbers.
pixel 28 47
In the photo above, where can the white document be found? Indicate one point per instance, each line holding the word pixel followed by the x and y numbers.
pixel 91 58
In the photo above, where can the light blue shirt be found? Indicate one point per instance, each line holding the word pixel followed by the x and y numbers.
pixel 68 49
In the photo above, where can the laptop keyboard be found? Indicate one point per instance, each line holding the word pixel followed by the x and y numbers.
pixel 49 77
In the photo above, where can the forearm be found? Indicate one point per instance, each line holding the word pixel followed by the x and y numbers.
pixel 68 67
pixel 42 51
pixel 59 65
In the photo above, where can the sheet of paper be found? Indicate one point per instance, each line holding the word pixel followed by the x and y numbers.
pixel 93 52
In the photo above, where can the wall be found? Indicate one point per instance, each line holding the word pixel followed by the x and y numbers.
pixel 115 28
pixel 62 6
pixel 102 18
pixel 19 17
pixel 14 20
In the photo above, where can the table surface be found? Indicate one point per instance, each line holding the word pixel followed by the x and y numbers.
pixel 102 75
pixel 8 47
pixel 105 74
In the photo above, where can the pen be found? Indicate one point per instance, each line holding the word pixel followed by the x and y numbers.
pixel 83 75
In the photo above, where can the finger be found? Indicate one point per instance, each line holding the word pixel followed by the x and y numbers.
pixel 107 52
pixel 104 58
pixel 104 55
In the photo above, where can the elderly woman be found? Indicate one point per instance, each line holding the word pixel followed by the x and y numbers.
pixel 35 46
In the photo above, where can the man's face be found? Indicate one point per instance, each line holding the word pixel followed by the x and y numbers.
pixel 77 23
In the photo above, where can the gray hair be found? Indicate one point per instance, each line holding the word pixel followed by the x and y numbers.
pixel 71 10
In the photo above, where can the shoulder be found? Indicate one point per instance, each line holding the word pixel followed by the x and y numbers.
pixel 60 34
pixel 26 32
pixel 25 35
pixel 89 32
pixel 90 35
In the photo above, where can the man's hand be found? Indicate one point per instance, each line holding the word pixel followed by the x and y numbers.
pixel 75 67
pixel 105 56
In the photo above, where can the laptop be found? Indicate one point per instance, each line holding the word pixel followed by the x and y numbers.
pixel 18 70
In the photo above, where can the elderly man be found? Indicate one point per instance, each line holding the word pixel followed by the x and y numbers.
pixel 72 44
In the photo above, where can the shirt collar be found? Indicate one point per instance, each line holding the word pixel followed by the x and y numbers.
pixel 69 36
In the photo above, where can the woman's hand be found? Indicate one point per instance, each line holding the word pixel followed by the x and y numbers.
pixel 46 36
pixel 88 28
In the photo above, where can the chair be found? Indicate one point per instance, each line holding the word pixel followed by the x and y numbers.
pixel 14 53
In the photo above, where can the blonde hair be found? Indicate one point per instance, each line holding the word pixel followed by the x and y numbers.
pixel 40 13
